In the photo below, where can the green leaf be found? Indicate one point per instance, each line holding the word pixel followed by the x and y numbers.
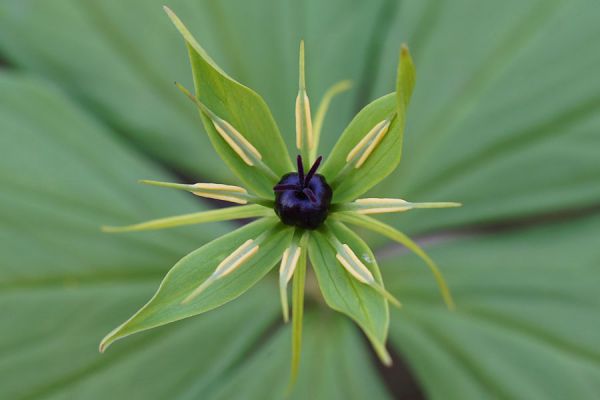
pixel 131 50
pixel 381 155
pixel 527 321
pixel 243 109
pixel 65 283
pixel 504 116
pixel 176 296
pixel 343 292
pixel 331 342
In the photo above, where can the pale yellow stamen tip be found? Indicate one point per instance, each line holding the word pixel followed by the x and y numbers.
pixel 238 143
pixel 289 261
pixel 233 194
pixel 367 145
pixel 354 265
pixel 227 266
pixel 379 206
pixel 304 128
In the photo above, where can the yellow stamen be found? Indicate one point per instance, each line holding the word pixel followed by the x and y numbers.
pixel 365 147
pixel 353 265
pixel 238 143
pixel 289 261
pixel 227 266
pixel 304 130
pixel 358 270
pixel 221 192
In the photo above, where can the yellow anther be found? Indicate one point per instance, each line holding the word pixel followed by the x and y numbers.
pixel 227 266
pixel 365 147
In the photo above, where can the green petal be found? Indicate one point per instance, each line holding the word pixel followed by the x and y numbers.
pixel 194 269
pixel 298 313
pixel 351 176
pixel 343 292
pixel 243 109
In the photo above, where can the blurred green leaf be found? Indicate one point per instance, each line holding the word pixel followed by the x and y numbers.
pixel 332 343
pixel 345 293
pixel 527 319
pixel 171 302
pixel 504 117
pixel 64 283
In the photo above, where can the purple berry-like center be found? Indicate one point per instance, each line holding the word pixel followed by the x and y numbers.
pixel 303 199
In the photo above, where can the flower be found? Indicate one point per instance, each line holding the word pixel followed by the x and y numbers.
pixel 300 215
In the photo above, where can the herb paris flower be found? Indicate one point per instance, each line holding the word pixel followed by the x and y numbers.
pixel 301 214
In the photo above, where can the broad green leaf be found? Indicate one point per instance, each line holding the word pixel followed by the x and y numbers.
pixel 335 365
pixel 379 156
pixel 132 54
pixel 63 282
pixel 173 300
pixel 504 117
pixel 343 292
pixel 474 91
pixel 243 109
pixel 527 320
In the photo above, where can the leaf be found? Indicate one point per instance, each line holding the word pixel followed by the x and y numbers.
pixel 343 292
pixel 504 122
pixel 383 156
pixel 133 54
pixel 243 109
pixel 332 342
pixel 527 321
pixel 63 282
pixel 173 300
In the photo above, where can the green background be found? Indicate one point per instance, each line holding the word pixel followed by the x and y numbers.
pixel 505 118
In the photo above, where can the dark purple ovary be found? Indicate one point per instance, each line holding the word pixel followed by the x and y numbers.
pixel 303 200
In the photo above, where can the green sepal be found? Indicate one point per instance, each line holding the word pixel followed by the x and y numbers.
pixel 342 292
pixel 166 304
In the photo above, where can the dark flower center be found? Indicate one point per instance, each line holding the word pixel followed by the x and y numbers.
pixel 303 200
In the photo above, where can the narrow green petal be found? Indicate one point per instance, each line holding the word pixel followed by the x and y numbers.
pixel 297 314
pixel 405 79
pixel 222 214
pixel 305 140
pixel 289 263
pixel 394 234
pixel 319 119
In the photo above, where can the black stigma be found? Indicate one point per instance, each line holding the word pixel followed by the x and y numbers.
pixel 303 200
